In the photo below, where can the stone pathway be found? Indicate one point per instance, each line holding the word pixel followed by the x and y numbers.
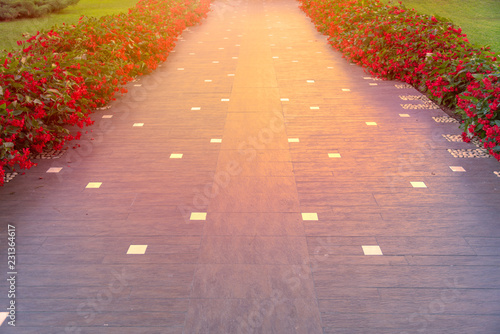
pixel 258 183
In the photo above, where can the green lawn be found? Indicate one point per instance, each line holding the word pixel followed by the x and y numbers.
pixel 12 31
pixel 479 19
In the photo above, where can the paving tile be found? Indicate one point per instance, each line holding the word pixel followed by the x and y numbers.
pixel 255 100
pixel 225 281
pixel 253 224
pixel 137 249
pixel 253 250
pixel 256 194
pixel 372 250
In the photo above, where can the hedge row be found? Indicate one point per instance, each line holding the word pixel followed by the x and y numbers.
pixel 428 53
pixel 16 9
pixel 59 77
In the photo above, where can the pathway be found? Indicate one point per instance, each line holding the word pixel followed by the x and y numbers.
pixel 266 185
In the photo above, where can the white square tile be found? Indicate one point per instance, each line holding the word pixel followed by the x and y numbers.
pixel 93 185
pixel 3 316
pixel 309 216
pixel 107 116
pixel 334 155
pixel 208 80
pixel 216 140
pixel 198 216
pixel 330 67
pixel 221 48
pixel 373 84
pixel 275 57
pixel 137 249
pixel 236 45
pixel 293 140
pixel 319 52
pixel 176 156
pixel 196 108
pixel 418 184
pixel 138 124
pixel 137 85
pixel 372 250
pixel 295 61
pixel 310 81
pixel 346 90
pixel 230 75
pixel 224 100
pixel 371 123
pixel 234 57
pixel 404 115
pixel 314 108
pixel 180 69
pixel 54 170
pixel 284 99
pixel 457 168
pixel 215 62
pixel 367 78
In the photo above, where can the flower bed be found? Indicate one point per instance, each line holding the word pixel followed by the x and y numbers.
pixel 59 77
pixel 429 53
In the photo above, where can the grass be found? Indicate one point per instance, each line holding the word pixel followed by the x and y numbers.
pixel 479 19
pixel 12 31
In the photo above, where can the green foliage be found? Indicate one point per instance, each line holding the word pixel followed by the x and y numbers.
pixel 480 20
pixel 15 30
pixel 15 9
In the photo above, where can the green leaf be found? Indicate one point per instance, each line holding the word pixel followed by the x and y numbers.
pixel 468 97
pixel 54 91
pixel 496 149
pixel 478 76
pixel 17 112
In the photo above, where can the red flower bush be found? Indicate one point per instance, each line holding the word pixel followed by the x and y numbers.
pixel 59 77
pixel 429 53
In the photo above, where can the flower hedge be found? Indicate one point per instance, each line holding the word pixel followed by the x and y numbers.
pixel 429 53
pixel 59 77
